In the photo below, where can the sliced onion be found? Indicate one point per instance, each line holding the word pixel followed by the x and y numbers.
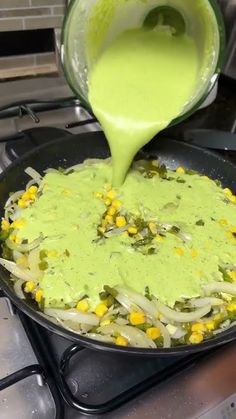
pixel 179 317
pixel 73 326
pixel 16 214
pixel 122 311
pixel 100 338
pixel 139 299
pixel 15 270
pixel 29 184
pixel 51 319
pixel 179 334
pixel 116 231
pixel 17 254
pixel 33 262
pixel 224 326
pixel 18 289
pixel 24 247
pixel 126 303
pixel 13 198
pixel 201 302
pixel 53 170
pixel 220 287
pixel 165 334
pixel 111 312
pixel 34 175
pixel 73 315
pixel 76 167
pixel 137 338
pixel 184 236
pixel 121 321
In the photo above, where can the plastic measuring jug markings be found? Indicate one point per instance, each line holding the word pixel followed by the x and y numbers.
pixel 91 25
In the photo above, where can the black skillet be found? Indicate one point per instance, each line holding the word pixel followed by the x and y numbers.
pixel 72 150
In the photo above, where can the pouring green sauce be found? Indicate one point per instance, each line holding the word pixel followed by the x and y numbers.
pixel 140 83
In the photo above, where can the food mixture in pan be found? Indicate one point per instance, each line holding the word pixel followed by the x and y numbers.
pixel 150 264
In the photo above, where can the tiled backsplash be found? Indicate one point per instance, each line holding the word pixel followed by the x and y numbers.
pixel 24 15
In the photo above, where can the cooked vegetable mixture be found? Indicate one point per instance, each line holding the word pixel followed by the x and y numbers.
pixel 149 264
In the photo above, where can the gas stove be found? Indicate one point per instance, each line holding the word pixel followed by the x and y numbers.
pixel 43 375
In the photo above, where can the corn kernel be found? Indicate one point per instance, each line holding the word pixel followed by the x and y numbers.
pixel 210 325
pixel 158 238
pixel 109 219
pixel 233 230
pixel 198 327
pixel 107 202
pixel 21 260
pixel 205 178
pixel 105 322
pixel 195 338
pixel 120 221
pixel 83 305
pixel 232 199
pixel 179 251
pixel 111 194
pixel 116 203
pixel 121 341
pixel 65 192
pixel 29 286
pixel 18 223
pixel 38 296
pixel 22 203
pixel 232 275
pixel 152 228
pixel 101 309
pixel 232 238
pixel 217 317
pixel 153 333
pixel 194 253
pixel 111 211
pixel 132 230
pixel 17 240
pixel 155 163
pixel 223 222
pixel 12 237
pixel 180 170
pixel 25 196
pixel 5 225
pixel 52 253
pixel 33 189
pixel 228 192
pixel 98 195
pixel 231 307
pixel 136 318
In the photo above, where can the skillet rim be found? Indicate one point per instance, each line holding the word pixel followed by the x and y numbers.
pixel 224 337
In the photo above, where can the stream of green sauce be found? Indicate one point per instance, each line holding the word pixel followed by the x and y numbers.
pixel 139 84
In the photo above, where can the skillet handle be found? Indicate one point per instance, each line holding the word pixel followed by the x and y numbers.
pixel 212 139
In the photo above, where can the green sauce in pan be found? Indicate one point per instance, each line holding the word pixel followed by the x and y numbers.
pixel 68 214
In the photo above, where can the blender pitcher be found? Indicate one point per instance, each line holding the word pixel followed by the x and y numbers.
pixel 91 25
